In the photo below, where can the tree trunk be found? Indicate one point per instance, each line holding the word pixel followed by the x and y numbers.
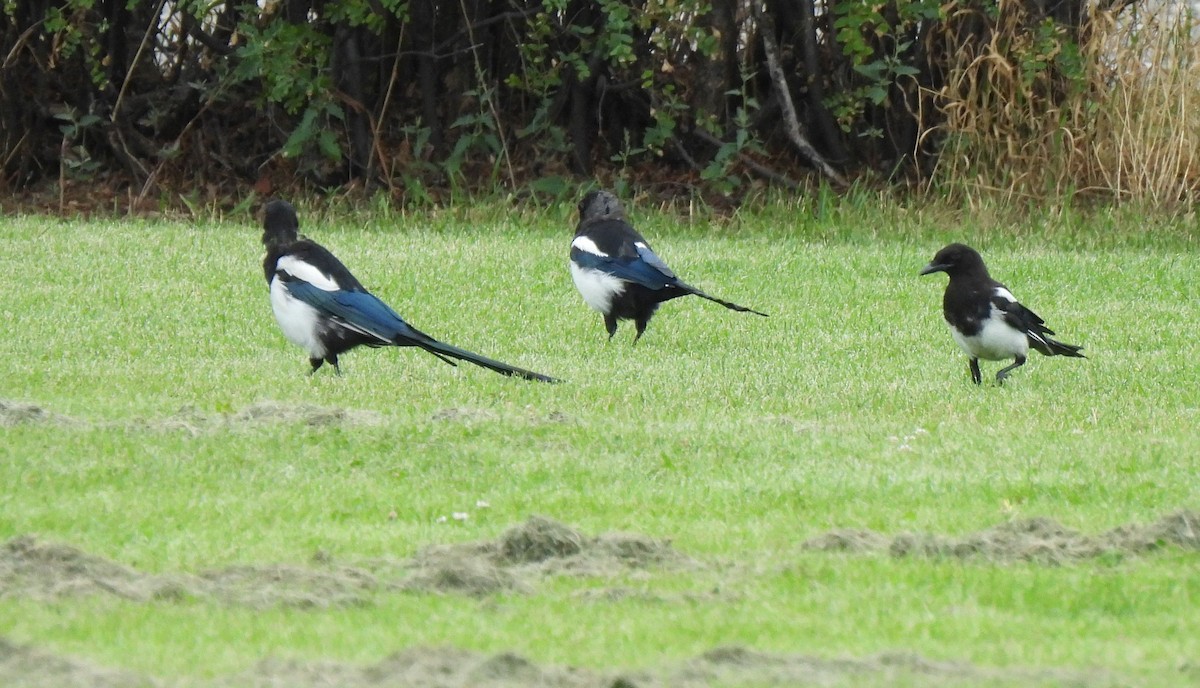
pixel 425 42
pixel 348 77
pixel 830 133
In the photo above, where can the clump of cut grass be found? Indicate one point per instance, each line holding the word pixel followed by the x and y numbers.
pixel 1030 111
pixel 1039 539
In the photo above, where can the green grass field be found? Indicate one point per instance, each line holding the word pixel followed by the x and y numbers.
pixel 148 391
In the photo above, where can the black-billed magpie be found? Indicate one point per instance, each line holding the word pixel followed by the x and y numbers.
pixel 986 319
pixel 617 273
pixel 323 309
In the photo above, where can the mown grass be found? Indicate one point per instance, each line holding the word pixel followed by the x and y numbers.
pixel 735 436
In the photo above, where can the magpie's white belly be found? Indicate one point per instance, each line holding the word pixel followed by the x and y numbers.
pixel 995 342
pixel 299 321
pixel 597 288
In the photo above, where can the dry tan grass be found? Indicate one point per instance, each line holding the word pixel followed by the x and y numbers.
pixel 1025 116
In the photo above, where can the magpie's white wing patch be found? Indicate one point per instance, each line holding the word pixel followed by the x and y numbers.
pixel 306 271
pixel 1005 294
pixel 586 245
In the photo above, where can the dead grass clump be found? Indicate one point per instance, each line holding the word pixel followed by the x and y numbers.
pixel 1039 540
pixel 193 421
pixel 1180 529
pixel 506 667
pixel 741 666
pixel 18 413
pixel 427 667
pixel 1144 122
pixel 635 550
pixel 308 414
pixel 26 667
pixel 48 571
pixel 40 570
pixel 537 548
pixel 847 540
pixel 262 587
pixel 513 562
pixel 441 667
pixel 474 576
pixel 1031 111
pixel 466 416
pixel 538 540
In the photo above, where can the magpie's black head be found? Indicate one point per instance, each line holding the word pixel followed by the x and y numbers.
pixel 599 204
pixel 280 225
pixel 956 259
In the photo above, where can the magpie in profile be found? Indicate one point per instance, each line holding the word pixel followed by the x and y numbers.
pixel 323 309
pixel 617 273
pixel 986 319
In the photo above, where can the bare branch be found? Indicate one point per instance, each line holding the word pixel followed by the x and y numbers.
pixel 754 165
pixel 116 111
pixel 766 28
pixel 193 29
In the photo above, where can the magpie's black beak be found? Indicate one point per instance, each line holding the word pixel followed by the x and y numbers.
pixel 933 267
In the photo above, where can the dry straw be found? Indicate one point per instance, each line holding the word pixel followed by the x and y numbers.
pixel 1024 114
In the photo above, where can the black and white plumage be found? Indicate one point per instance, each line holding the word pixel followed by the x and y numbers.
pixel 985 318
pixel 617 272
pixel 322 308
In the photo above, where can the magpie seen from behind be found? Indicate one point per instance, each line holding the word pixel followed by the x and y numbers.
pixel 985 318
pixel 616 271
pixel 322 308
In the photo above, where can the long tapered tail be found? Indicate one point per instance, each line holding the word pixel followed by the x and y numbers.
pixel 728 304
pixel 1053 347
pixel 443 351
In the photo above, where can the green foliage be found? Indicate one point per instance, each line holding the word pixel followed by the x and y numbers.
pixel 617 37
pixel 415 172
pixel 478 138
pixel 74 127
pixel 720 171
pixel 1049 59
pixel 75 31
pixel 289 66
pixel 514 91
pixel 290 60
pixel 878 51
pixel 360 13
pixel 313 127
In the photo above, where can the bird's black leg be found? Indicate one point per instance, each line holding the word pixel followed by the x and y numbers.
pixel 641 319
pixel 610 324
pixel 640 324
pixel 315 363
pixel 976 377
pixel 337 370
pixel 1005 371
